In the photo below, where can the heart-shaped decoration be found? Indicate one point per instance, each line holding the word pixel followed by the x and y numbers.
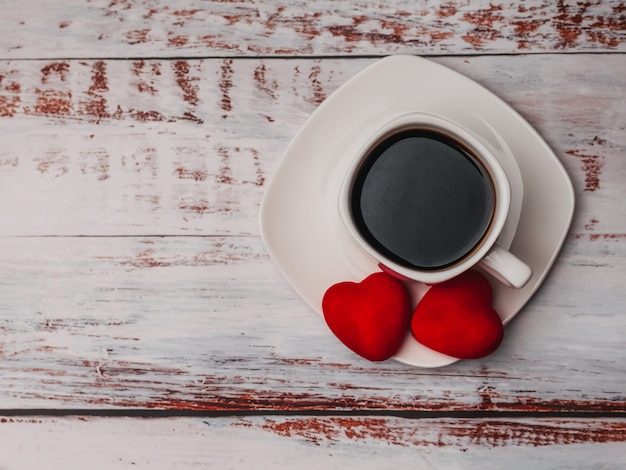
pixel 456 318
pixel 370 317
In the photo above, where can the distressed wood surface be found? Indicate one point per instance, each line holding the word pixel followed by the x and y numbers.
pixel 207 323
pixel 133 275
pixel 313 442
pixel 134 28
pixel 186 147
pixel 137 139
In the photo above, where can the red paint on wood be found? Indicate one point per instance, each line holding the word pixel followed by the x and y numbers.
pixel 118 113
pixel 95 161
pixel 225 173
pixel 567 25
pixel 183 15
pixel 226 83
pixel 488 433
pixel 592 166
pixel 594 236
pixel 146 259
pixel 162 389
pixel 485 17
pixel 186 13
pixel 153 201
pixel 262 84
pixel 22 420
pixel 145 161
pixel 115 6
pixel 213 41
pixel 492 400
pixel 479 35
pixel 317 430
pixel 138 66
pixel 260 175
pixel 198 206
pixel 603 27
pixel 566 22
pixel 138 36
pixel 446 10
pixel 307 24
pixel 185 82
pixel 352 34
pixel 398 29
pixel 179 40
pixel 316 86
pixel 99 81
pixel 138 70
pixel 95 106
pixel 153 11
pixel 146 116
pixel 54 162
pixel 9 97
pixel 59 69
pixel 503 433
pixel 599 236
pixel 52 103
pixel 9 162
pixel 525 29
pixel 573 20
pixel 213 393
pixel 12 87
pixel 187 116
pixel 438 36
pixel 187 174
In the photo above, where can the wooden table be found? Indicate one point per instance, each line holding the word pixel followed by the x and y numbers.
pixel 142 321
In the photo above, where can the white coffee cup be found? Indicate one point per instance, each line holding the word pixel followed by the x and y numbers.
pixel 486 253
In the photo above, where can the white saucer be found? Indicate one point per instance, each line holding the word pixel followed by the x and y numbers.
pixel 299 219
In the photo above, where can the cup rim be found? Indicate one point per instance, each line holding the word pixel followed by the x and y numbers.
pixel 482 151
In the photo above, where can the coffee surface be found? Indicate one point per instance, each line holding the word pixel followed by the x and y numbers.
pixel 422 200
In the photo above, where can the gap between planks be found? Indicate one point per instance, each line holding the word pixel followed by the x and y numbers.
pixel 389 413
pixel 305 56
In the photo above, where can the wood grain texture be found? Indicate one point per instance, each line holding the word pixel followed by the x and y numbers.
pixel 186 147
pixel 207 323
pixel 137 138
pixel 133 275
pixel 133 28
pixel 312 442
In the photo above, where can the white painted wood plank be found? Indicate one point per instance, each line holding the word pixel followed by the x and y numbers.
pixel 209 323
pixel 187 147
pixel 133 28
pixel 311 442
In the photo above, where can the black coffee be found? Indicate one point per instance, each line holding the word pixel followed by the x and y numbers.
pixel 422 200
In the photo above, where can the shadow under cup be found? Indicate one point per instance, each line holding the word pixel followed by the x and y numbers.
pixel 422 198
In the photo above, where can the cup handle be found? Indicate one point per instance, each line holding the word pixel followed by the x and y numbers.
pixel 506 267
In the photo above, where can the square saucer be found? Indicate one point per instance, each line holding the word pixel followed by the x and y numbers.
pixel 299 219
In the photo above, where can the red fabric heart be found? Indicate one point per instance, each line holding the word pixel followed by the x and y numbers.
pixel 456 318
pixel 370 317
